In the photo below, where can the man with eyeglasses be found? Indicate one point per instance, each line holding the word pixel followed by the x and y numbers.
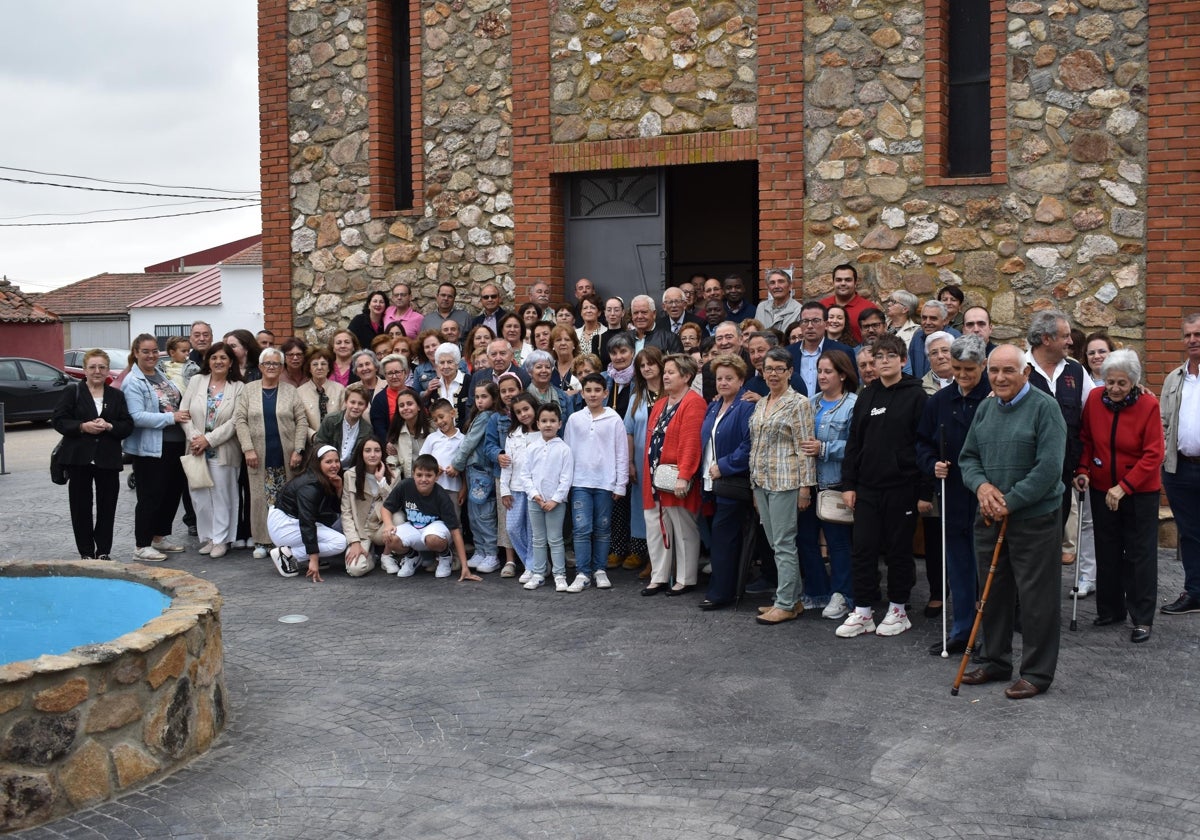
pixel 934 318
pixel 882 483
pixel 445 310
pixel 813 343
pixel 845 294
pixel 201 339
pixel 489 300
pixel 675 311
pixel 872 323
pixel 779 309
pixel 402 310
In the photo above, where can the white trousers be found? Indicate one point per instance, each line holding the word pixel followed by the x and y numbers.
pixel 285 533
pixel 683 555
pixel 415 538
pixel 216 506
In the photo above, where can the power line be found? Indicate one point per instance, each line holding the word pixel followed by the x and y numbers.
pixel 123 183
pixel 125 192
pixel 131 219
pixel 103 210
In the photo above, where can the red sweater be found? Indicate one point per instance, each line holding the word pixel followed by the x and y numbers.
pixel 681 446
pixel 854 308
pixel 1138 436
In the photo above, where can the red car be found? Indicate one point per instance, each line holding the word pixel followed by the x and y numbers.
pixel 117 360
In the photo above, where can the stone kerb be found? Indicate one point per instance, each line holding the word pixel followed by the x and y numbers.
pixel 90 724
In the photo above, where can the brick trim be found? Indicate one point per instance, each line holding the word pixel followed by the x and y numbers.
pixel 274 160
pixel 1172 182
pixel 937 103
pixel 666 150
pixel 381 157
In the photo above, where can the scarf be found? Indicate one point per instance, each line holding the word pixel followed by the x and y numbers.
pixel 620 377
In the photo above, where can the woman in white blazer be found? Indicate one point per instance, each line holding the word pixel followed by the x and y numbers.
pixel 211 401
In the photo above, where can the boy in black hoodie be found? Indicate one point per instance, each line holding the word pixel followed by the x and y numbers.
pixel 881 482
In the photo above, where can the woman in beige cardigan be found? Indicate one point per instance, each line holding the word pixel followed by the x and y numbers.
pixel 318 366
pixel 211 400
pixel 364 487
pixel 273 455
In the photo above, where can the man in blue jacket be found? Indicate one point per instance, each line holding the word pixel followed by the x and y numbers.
pixel 806 352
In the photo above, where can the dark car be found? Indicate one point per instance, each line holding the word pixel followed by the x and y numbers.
pixel 73 362
pixel 29 389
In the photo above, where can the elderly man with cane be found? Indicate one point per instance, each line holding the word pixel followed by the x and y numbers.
pixel 1012 461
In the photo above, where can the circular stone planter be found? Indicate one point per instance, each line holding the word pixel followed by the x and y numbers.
pixel 92 723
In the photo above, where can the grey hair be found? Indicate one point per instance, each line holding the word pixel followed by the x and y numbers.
pixel 940 335
pixel 393 357
pixel 447 348
pixel 1124 360
pixel 537 357
pixel 619 341
pixel 967 348
pixel 1043 324
pixel 1191 317
pixel 370 354
pixel 778 354
pixel 685 364
pixel 908 300
pixel 273 352
pixel 941 307
pixel 668 291
pixel 643 299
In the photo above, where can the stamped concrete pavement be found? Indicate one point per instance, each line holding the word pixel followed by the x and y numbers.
pixel 427 708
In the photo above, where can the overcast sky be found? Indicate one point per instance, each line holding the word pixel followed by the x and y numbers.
pixel 131 91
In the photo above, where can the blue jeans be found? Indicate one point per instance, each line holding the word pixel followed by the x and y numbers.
pixel 1183 492
pixel 591 514
pixel 481 510
pixel 517 522
pixel 961 578
pixel 819 584
pixel 546 528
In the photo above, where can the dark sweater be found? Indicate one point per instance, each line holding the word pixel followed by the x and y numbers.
pixel 882 449
pixel 1019 449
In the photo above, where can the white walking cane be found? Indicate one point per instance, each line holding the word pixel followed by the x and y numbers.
pixel 945 608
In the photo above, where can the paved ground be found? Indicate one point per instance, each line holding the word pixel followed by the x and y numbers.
pixel 430 709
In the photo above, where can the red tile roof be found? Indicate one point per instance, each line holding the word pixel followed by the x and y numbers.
pixel 105 294
pixel 18 308
pixel 209 256
pixel 200 289
pixel 250 256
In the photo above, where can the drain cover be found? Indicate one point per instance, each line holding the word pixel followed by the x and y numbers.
pixel 293 619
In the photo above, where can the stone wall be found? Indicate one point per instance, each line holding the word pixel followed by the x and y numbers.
pixel 1066 228
pixel 643 69
pixel 82 727
pixel 461 229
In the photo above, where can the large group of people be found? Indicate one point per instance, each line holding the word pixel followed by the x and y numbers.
pixel 796 443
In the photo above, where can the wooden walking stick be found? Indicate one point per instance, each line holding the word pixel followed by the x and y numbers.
pixel 987 586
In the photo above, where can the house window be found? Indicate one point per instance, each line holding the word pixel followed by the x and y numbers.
pixel 612 194
pixel 162 332
pixel 392 111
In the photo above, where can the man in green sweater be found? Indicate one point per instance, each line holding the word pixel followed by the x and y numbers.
pixel 1012 460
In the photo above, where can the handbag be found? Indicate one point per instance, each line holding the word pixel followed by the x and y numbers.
pixel 665 477
pixel 831 508
pixel 736 487
pixel 58 470
pixel 196 470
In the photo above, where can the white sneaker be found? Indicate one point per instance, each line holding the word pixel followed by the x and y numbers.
pixel 837 607
pixel 206 547
pixel 602 581
pixel 475 560
pixel 241 543
pixel 260 551
pixel 534 582
pixel 894 623
pixel 488 564
pixel 1086 587
pixel 218 550
pixel 525 576
pixel 856 625
pixel 443 566
pixel 147 554
pixel 560 583
pixel 164 545
pixel 408 567
pixel 285 564
pixel 580 583
pixel 388 563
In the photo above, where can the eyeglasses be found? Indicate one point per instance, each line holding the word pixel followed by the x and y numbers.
pixel 887 357
pixel 773 369
pixel 270 364
pixel 394 374
pixel 872 325
pixel 295 355
pixel 489 297
pixel 812 321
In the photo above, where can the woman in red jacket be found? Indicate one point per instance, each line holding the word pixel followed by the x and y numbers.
pixel 673 437
pixel 1122 455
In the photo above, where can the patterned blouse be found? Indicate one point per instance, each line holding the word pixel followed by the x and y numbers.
pixel 776 462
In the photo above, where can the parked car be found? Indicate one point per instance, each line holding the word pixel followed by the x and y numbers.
pixel 29 389
pixel 117 359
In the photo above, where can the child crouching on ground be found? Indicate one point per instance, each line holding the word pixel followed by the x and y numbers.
pixel 596 437
pixel 546 470
pixel 420 516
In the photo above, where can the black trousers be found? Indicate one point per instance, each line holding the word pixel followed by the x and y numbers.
pixel 884 523
pixel 726 525
pixel 93 537
pixel 932 529
pixel 243 511
pixel 160 484
pixel 1126 557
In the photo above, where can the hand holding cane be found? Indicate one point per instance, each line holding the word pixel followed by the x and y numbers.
pixel 945 610
pixel 987 587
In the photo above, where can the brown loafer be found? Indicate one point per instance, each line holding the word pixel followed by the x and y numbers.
pixel 777 616
pixel 979 676
pixel 1068 559
pixel 1021 689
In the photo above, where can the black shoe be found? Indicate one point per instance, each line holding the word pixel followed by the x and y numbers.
pixel 1183 605
pixel 682 590
pixel 762 586
pixel 192 531
pixel 1140 634
pixel 932 611
pixel 103 557
pixel 654 589
pixel 709 606
pixel 952 646
pixel 1105 620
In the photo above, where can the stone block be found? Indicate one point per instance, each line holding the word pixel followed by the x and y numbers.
pixel 132 765
pixel 833 88
pixel 62 697
pixel 10 699
pixel 888 188
pixel 40 741
pixel 84 776
pixel 25 799
pixel 961 239
pixel 882 238
pixel 1128 223
pixel 171 664
pixel 113 711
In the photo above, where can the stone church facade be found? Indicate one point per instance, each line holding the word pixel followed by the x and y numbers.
pixel 454 140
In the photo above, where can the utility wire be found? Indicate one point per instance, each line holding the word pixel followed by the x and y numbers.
pixel 126 192
pixel 103 210
pixel 122 183
pixel 131 219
